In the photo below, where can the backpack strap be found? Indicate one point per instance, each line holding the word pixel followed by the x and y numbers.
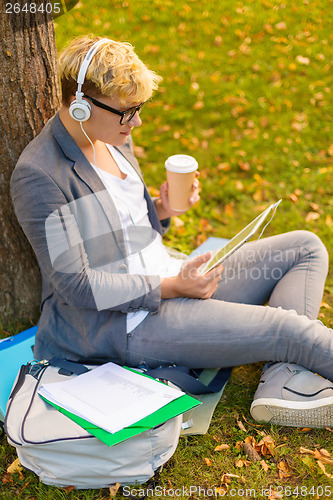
pixel 181 376
pixel 68 367
pixel 187 380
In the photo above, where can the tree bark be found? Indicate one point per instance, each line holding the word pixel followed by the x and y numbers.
pixel 29 96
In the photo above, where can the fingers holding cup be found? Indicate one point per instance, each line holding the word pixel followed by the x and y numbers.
pixel 183 185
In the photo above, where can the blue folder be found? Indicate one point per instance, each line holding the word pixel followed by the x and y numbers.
pixel 14 352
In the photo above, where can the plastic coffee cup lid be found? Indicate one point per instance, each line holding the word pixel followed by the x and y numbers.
pixel 181 164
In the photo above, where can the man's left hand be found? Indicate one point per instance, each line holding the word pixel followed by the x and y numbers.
pixel 163 207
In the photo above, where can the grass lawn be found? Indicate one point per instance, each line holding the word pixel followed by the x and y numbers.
pixel 247 90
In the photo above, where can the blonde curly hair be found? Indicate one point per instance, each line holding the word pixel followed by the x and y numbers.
pixel 115 69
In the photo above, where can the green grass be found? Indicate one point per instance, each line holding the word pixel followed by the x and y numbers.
pixel 247 90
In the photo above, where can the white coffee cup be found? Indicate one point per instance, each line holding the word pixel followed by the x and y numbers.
pixel 181 172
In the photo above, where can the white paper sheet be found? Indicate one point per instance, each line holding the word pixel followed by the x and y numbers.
pixel 110 396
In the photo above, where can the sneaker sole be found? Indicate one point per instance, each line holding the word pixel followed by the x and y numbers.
pixel 318 413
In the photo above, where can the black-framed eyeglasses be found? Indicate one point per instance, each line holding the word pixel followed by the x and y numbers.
pixel 126 116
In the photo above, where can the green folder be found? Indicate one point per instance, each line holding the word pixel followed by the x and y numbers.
pixel 170 410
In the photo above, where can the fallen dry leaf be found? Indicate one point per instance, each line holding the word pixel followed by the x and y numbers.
pixel 264 465
pixel 16 467
pixel 153 191
pixel 254 450
pixel 266 446
pixel 225 480
pixel 239 185
pixel 327 461
pixel 281 445
pixel 177 221
pixel 228 210
pixel 284 470
pixel 293 198
pixel 323 455
pixel 240 462
pixel 222 491
pixel 239 445
pixel 224 166
pixel 241 425
pixel 224 484
pixel 258 195
pixel 23 487
pixel 69 489
pixel 114 489
pixel 140 152
pixel 250 440
pixel 198 105
pixel 306 450
pixel 281 26
pixel 312 216
pixel 329 220
pixel 274 495
pixel 222 447
pixel 315 207
pixel 322 466
pixel 208 461
pixel 6 478
pixel 303 60
pixel 261 433
pixel 318 455
pixel 245 166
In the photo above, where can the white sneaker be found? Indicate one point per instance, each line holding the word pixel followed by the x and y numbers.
pixel 289 394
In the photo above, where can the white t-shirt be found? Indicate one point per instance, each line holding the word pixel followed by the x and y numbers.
pixel 128 195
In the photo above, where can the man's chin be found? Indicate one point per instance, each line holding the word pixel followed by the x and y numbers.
pixel 122 140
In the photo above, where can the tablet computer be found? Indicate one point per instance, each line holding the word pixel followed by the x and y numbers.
pixel 237 241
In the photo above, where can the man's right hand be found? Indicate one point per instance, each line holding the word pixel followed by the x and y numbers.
pixel 190 283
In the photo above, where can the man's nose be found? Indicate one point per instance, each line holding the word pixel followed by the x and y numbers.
pixel 136 120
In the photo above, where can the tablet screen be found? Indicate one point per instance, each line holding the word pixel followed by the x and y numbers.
pixel 238 240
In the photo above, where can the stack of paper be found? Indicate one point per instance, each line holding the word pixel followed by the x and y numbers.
pixel 114 403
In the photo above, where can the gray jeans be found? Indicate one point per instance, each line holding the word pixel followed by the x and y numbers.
pixel 235 327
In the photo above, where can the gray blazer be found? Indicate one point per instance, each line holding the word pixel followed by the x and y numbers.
pixel 73 226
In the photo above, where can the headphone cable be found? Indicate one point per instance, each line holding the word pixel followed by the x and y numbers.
pixel 89 141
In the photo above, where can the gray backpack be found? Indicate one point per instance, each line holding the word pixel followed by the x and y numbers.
pixel 62 453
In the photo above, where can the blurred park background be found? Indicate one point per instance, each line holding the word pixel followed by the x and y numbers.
pixel 247 90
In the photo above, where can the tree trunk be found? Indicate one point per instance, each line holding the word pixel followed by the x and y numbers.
pixel 29 96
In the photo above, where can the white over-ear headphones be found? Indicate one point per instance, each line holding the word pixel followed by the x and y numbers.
pixel 80 109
